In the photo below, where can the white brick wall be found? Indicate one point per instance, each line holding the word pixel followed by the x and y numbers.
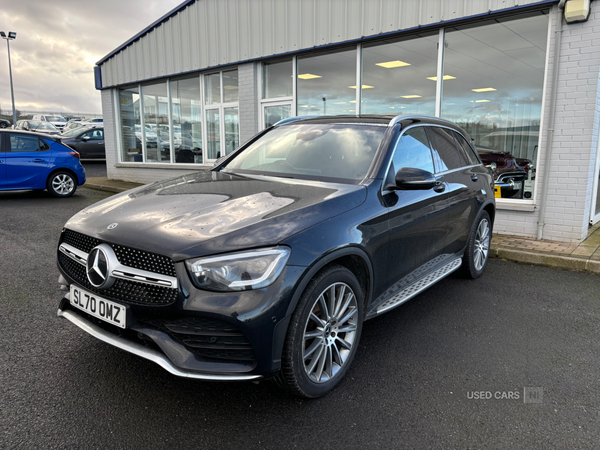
pixel 575 138
pixel 110 127
pixel 248 89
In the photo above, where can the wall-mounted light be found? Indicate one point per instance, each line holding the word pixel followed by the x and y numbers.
pixel 577 11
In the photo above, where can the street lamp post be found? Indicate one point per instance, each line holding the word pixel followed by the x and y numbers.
pixel 11 35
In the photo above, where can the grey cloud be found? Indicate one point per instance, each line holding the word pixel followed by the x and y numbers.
pixel 58 44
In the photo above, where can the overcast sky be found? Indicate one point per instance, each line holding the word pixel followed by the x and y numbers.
pixel 58 43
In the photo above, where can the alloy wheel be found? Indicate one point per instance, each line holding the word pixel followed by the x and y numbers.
pixel 330 332
pixel 482 244
pixel 63 184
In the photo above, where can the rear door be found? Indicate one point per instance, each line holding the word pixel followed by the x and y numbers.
pixel 27 161
pixel 91 144
pixel 461 179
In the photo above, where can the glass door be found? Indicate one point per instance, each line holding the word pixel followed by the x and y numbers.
pixel 213 134
pixel 595 213
pixel 273 112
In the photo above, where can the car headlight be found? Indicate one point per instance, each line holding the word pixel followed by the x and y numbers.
pixel 252 269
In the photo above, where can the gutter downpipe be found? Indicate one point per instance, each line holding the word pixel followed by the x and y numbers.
pixel 550 131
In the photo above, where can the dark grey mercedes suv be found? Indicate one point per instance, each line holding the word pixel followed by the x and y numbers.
pixel 267 265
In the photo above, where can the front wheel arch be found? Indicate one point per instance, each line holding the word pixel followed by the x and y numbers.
pixel 348 257
pixel 341 257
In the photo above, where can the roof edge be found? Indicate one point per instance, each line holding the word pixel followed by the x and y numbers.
pixel 490 13
pixel 146 30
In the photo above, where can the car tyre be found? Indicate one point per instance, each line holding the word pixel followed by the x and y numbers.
pixel 478 248
pixel 61 184
pixel 323 334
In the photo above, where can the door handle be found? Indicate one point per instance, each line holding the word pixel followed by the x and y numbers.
pixel 38 160
pixel 439 187
pixel 474 177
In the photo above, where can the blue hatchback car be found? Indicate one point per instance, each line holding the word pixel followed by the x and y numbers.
pixel 38 161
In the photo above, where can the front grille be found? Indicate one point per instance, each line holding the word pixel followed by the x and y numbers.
pixel 130 257
pixel 80 241
pixel 208 338
pixel 125 291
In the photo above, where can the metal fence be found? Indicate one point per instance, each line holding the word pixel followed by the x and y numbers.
pixel 23 114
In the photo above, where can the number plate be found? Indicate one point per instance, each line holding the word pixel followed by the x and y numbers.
pixel 99 307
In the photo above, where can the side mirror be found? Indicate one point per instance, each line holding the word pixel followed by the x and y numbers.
pixel 85 138
pixel 409 178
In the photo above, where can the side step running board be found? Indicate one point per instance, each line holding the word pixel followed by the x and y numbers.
pixel 419 286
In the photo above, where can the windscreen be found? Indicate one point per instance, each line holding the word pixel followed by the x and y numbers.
pixel 312 151
pixel 55 119
pixel 73 131
pixel 45 126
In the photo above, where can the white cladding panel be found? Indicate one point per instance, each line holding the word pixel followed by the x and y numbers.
pixel 210 33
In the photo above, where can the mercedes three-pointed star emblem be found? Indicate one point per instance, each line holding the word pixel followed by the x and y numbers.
pixel 97 267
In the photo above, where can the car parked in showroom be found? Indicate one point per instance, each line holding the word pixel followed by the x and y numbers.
pixel 88 141
pixel 38 127
pixel 267 265
pixel 513 176
pixel 37 161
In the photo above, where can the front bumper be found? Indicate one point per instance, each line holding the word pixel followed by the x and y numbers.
pixel 258 318
pixel 148 353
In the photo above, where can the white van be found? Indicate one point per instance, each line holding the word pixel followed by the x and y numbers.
pixel 58 121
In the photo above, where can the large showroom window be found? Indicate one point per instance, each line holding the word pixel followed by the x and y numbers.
pixel 129 111
pixel 187 120
pixel 400 76
pixel 163 122
pixel 156 122
pixel 492 87
pixel 327 83
pixel 277 91
pixel 222 113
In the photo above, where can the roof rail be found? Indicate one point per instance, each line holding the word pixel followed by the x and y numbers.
pixel 292 120
pixel 397 119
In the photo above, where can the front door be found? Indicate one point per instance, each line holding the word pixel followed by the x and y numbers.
pixel 416 218
pixel 27 162
pixel 3 136
pixel 91 144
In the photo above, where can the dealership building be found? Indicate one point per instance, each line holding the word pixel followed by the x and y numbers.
pixel 521 77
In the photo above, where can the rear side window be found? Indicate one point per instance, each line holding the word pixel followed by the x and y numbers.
pixel 466 151
pixel 445 153
pixel 23 143
pixel 413 151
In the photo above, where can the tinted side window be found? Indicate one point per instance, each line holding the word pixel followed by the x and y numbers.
pixel 467 153
pixel 94 134
pixel 413 151
pixel 445 153
pixel 22 143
